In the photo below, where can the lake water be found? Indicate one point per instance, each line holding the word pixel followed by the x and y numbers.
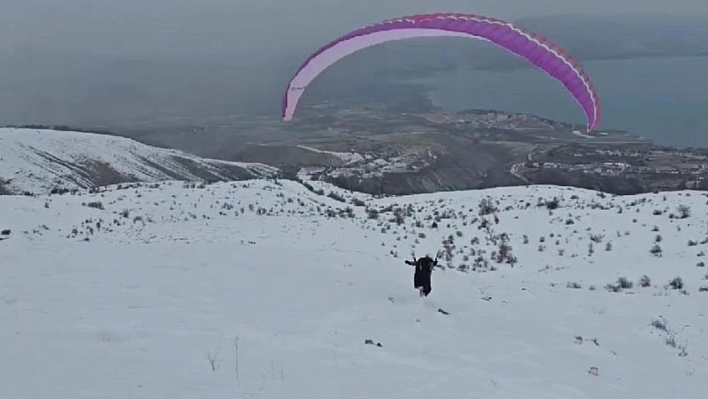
pixel 662 99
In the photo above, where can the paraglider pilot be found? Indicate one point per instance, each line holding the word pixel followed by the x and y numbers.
pixel 423 271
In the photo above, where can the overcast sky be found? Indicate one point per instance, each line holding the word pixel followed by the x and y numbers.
pixel 165 25
pixel 96 61
pixel 56 56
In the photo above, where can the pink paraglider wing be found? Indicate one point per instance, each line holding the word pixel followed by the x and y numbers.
pixel 536 49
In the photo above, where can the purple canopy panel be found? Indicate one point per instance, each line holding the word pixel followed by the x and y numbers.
pixel 536 49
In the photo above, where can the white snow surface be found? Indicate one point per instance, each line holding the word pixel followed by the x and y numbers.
pixel 38 160
pixel 132 297
pixel 348 157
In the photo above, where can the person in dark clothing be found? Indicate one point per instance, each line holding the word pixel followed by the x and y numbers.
pixel 423 271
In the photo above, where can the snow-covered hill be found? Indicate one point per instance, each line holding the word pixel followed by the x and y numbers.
pixel 39 161
pixel 265 289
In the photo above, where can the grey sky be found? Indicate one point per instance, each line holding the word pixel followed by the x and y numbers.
pixel 72 61
pixel 126 25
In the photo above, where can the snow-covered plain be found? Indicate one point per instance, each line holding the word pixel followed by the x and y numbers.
pixel 263 289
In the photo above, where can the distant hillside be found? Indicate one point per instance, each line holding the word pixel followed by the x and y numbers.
pixel 41 160
pixel 382 151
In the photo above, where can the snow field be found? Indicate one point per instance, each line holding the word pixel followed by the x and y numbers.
pixel 261 289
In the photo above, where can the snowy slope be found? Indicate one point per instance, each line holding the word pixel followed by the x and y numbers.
pixel 39 160
pixel 267 290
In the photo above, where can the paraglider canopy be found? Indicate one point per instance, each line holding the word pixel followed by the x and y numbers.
pixel 537 50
